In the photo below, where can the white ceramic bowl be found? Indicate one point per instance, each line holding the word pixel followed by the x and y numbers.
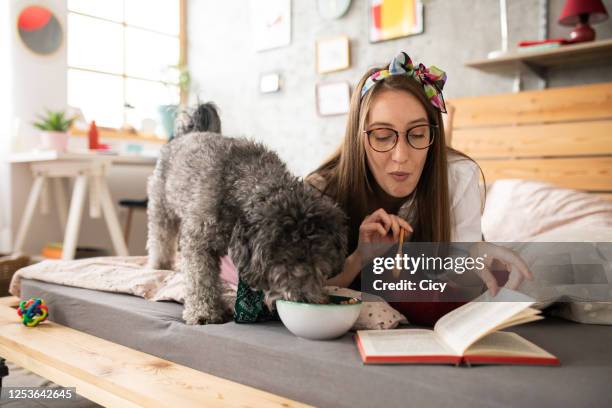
pixel 318 322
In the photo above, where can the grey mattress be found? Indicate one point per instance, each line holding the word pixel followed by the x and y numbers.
pixel 330 373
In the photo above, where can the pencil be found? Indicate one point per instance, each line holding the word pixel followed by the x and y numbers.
pixel 396 271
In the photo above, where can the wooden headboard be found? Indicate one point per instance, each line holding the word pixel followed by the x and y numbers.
pixel 560 135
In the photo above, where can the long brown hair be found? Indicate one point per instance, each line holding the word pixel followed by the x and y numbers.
pixel 348 178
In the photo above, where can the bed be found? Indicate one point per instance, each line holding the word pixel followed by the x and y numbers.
pixel 268 357
pixel 120 350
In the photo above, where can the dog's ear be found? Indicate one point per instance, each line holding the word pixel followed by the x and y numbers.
pixel 241 252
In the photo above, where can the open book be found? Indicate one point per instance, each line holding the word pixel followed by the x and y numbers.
pixel 468 334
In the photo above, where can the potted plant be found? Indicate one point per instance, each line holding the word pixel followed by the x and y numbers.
pixel 54 128
pixel 178 75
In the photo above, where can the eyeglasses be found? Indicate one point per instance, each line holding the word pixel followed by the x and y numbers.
pixel 385 139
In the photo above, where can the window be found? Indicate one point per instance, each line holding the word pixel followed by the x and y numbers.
pixel 123 58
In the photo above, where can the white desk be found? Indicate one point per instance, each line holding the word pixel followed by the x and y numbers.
pixel 88 169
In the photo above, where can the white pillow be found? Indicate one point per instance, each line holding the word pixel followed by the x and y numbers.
pixel 530 211
pixel 520 210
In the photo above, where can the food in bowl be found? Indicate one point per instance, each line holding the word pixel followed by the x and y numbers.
pixel 320 321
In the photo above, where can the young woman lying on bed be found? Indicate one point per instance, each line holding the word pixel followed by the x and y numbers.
pixel 394 170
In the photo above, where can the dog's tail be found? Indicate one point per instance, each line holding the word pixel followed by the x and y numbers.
pixel 202 118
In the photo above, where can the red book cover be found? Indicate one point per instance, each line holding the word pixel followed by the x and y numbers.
pixel 439 359
pixel 511 358
pixel 469 334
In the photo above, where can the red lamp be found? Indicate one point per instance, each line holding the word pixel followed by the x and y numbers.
pixel 580 13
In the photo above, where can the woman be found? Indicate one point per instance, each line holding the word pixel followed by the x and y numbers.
pixel 394 170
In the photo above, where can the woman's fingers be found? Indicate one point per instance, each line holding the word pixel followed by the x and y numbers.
pixel 489 280
pixel 518 268
pixel 380 215
pixel 514 280
pixel 381 223
pixel 371 228
pixel 401 224
pixel 389 221
pixel 523 268
pixel 516 262
pixel 404 224
pixel 395 227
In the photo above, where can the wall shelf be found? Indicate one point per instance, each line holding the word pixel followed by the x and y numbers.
pixel 592 53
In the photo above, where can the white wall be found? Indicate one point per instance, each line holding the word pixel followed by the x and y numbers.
pixel 38 83
pixel 5 115
pixel 223 62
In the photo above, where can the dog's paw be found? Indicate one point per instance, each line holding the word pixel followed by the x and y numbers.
pixel 165 266
pixel 204 316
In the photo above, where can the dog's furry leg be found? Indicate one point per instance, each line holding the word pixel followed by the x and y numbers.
pixel 163 232
pixel 201 265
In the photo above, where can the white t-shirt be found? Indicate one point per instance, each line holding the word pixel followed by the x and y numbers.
pixel 465 198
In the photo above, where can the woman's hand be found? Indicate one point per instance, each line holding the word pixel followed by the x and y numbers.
pixel 519 271
pixel 379 228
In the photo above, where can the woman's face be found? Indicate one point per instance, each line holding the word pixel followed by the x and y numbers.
pixel 397 171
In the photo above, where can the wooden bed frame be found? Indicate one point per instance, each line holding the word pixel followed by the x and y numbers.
pixel 560 135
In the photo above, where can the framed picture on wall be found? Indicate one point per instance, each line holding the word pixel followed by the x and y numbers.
pixel 333 98
pixel 269 82
pixel 333 54
pixel 390 19
pixel 270 23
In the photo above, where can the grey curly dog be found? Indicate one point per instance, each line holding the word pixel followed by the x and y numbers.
pixel 215 195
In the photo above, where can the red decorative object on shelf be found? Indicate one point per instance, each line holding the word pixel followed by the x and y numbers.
pixel 581 13
pixel 93 136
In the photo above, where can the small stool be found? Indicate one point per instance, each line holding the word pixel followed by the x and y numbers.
pixel 132 205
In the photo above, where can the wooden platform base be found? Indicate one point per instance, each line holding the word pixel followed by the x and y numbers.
pixel 116 376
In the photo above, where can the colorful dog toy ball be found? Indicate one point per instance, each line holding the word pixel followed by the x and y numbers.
pixel 33 311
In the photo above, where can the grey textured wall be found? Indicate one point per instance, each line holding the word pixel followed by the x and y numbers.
pixel 227 70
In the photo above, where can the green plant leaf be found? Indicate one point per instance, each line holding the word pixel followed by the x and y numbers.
pixel 54 121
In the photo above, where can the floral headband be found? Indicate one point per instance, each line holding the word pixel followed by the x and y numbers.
pixel 431 78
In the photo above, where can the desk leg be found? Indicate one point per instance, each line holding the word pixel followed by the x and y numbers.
pixel 111 220
pixel 37 187
pixel 74 217
pixel 94 197
pixel 44 198
pixel 60 199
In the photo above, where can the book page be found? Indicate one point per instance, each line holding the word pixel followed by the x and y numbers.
pixel 506 344
pixel 521 318
pixel 402 342
pixel 463 326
